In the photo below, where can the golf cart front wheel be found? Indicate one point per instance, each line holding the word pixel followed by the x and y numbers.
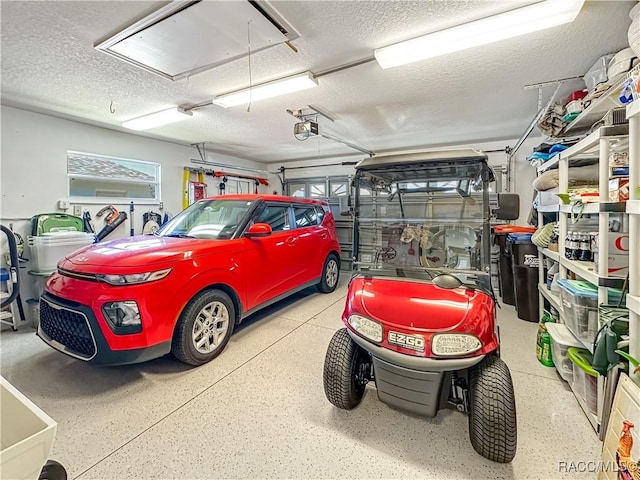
pixel 345 373
pixel 492 416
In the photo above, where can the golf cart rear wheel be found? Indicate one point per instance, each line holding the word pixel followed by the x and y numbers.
pixel 330 274
pixel 345 371
pixel 53 471
pixel 492 418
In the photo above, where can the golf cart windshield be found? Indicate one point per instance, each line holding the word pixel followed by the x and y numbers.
pixel 419 215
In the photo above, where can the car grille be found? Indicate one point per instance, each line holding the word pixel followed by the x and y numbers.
pixel 69 328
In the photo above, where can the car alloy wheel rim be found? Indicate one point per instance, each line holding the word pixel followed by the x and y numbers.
pixel 210 327
pixel 332 273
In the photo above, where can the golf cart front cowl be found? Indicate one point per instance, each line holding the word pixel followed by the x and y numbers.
pixel 409 309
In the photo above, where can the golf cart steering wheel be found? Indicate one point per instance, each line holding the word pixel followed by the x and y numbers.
pixel 440 254
pixel 387 253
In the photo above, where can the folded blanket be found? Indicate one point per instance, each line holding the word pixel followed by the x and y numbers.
pixel 577 176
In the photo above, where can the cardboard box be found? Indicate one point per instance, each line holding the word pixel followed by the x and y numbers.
pixel 619 189
pixel 618 243
pixel 618 265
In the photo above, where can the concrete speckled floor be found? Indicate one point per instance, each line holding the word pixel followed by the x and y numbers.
pixel 259 411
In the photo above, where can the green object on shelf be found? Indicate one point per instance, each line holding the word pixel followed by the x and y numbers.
pixel 570 117
pixel 566 199
pixel 582 358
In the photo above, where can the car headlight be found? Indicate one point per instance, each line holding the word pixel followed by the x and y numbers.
pixel 453 344
pixel 123 317
pixel 134 278
pixel 366 327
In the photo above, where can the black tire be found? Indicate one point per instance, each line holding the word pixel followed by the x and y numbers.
pixel 183 344
pixel 52 470
pixel 341 364
pixel 330 274
pixel 492 419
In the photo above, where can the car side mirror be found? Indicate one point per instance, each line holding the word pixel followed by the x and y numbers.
pixel 259 230
pixel 508 206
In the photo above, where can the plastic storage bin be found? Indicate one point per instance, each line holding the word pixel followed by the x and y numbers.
pixel 48 250
pixel 26 435
pixel 561 340
pixel 597 74
pixel 580 306
pixel 585 378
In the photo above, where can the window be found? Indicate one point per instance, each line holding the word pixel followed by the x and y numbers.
pixel 275 215
pixel 305 216
pixel 297 189
pixel 212 219
pixel 101 177
pixel 339 189
pixel 317 190
pixel 320 213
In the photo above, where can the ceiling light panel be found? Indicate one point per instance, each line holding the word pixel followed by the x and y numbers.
pixel 184 38
pixel 164 117
pixel 282 86
pixel 532 18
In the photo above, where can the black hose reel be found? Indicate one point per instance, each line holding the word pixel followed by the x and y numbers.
pixel 13 268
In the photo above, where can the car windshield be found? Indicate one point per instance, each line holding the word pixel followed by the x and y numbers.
pixel 424 226
pixel 211 219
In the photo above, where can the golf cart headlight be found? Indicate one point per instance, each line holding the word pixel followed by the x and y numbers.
pixel 450 344
pixel 367 328
pixel 123 317
pixel 135 278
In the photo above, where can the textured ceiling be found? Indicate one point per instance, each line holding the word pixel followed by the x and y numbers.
pixel 49 65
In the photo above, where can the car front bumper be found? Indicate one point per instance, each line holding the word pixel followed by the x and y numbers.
pixel 72 328
pixel 408 383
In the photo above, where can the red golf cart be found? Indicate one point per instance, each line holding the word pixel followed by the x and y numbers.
pixel 420 313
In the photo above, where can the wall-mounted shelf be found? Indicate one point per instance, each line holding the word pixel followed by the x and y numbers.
pixel 633 304
pixel 588 146
pixel 552 297
pixel 599 106
pixel 587 270
pixel 549 254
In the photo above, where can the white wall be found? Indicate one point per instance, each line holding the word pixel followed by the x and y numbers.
pixel 522 176
pixel 33 168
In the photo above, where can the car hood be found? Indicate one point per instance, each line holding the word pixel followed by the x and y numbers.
pixel 410 305
pixel 141 251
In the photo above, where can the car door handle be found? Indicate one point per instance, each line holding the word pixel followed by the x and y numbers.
pixel 291 241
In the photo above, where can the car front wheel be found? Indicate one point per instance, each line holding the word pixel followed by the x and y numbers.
pixel 204 328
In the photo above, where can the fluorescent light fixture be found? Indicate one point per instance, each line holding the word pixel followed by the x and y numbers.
pixel 282 86
pixel 152 120
pixel 521 21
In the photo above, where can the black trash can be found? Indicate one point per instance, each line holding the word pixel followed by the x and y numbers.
pixel 524 255
pixel 505 270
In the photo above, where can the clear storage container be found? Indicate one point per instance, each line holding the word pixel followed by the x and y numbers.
pixel 580 306
pixel 585 378
pixel 597 74
pixel 47 251
pixel 561 340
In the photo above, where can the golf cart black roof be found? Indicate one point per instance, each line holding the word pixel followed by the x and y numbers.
pixel 434 165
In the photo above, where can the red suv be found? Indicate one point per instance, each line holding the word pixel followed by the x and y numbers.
pixel 183 289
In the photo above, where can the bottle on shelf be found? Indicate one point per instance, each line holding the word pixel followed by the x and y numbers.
pixel 585 247
pixel 567 246
pixel 575 246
